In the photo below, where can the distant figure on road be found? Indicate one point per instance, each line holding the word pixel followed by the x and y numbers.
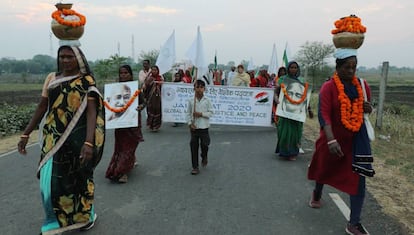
pixel 241 78
pixel 144 73
pixel 342 156
pixel 126 139
pixel 230 76
pixel 199 112
pixel 73 139
pixel 281 72
pixel 152 94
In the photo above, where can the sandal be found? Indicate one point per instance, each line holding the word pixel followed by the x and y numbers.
pixel 123 179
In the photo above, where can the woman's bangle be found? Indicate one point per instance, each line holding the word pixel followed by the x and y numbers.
pixel 88 144
pixel 24 136
pixel 332 141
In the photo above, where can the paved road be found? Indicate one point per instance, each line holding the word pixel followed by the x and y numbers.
pixel 245 189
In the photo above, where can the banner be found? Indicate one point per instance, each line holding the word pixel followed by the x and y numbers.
pixel 240 106
pixel 117 95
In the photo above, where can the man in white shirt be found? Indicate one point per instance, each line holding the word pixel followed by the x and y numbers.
pixel 144 72
pixel 230 76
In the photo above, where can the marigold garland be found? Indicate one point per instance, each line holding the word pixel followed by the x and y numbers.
pixel 350 24
pixel 351 113
pixel 126 106
pixel 303 98
pixel 58 15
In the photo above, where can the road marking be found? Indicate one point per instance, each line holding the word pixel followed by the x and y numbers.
pixel 14 151
pixel 340 204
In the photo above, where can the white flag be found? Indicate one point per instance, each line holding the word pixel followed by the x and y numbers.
pixel 166 58
pixel 251 65
pixel 273 62
pixel 196 55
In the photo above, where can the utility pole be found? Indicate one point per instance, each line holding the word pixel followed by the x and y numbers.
pixel 119 49
pixel 50 45
pixel 133 48
pixel 382 89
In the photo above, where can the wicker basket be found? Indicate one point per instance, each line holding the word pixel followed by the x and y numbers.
pixel 348 40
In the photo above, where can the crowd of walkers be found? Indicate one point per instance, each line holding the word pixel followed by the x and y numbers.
pixel 74 132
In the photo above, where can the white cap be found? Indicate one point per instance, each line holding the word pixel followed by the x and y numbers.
pixel 342 53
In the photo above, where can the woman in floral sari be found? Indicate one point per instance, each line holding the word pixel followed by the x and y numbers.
pixel 126 140
pixel 73 139
pixel 152 93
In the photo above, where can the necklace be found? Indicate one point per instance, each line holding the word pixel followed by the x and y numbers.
pixel 351 112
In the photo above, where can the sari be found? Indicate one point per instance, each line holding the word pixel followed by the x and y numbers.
pixel 152 93
pixel 126 143
pixel 67 187
pixel 289 132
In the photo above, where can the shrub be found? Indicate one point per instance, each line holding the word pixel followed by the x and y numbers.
pixel 14 118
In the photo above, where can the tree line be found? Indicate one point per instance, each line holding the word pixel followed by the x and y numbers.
pixel 312 56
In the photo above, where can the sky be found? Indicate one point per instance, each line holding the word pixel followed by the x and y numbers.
pixel 236 30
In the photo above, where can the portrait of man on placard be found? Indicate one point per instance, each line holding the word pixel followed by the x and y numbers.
pixel 117 95
pixel 296 92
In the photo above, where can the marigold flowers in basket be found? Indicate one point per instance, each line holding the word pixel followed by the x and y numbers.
pixel 67 24
pixel 349 32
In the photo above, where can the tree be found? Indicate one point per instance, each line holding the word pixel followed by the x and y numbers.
pixel 108 68
pixel 151 55
pixel 46 62
pixel 312 56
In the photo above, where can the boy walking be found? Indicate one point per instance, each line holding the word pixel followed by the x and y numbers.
pixel 199 111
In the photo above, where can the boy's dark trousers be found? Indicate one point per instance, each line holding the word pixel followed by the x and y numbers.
pixel 199 137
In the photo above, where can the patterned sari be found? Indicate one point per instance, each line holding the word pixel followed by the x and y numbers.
pixel 67 187
pixel 153 96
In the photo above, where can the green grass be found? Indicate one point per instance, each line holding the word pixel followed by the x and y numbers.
pixel 20 87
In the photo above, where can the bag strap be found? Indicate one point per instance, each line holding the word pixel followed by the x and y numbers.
pixel 363 89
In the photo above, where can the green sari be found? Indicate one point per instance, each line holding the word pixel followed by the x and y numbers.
pixel 67 187
pixel 289 132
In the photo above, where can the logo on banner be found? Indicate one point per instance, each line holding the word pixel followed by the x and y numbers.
pixel 169 93
pixel 262 97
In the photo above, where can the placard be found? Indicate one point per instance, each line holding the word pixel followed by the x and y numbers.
pixel 117 95
pixel 243 106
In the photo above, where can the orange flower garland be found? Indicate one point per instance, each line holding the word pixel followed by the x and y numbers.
pixel 58 16
pixel 126 106
pixel 351 24
pixel 351 114
pixel 303 98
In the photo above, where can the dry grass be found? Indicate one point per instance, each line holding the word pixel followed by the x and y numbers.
pixel 9 143
pixel 393 184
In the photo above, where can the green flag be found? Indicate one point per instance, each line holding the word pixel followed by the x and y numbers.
pixel 285 58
